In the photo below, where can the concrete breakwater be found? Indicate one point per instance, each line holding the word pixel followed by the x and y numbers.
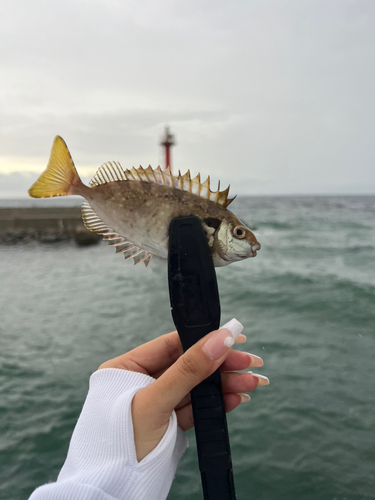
pixel 47 225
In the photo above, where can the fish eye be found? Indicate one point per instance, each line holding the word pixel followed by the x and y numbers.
pixel 239 232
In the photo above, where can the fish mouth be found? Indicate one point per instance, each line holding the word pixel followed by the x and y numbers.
pixel 252 252
pixel 254 249
pixel 241 256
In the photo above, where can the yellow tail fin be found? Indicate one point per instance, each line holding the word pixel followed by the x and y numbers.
pixel 59 177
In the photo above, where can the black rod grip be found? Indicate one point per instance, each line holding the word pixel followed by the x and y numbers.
pixel 195 305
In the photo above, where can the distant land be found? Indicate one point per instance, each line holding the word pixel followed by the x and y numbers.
pixel 16 184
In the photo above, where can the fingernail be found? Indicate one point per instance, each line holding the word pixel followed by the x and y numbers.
pixel 255 361
pixel 234 327
pixel 262 380
pixel 241 339
pixel 218 343
pixel 245 398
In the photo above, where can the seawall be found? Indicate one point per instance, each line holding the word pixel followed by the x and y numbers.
pixel 44 224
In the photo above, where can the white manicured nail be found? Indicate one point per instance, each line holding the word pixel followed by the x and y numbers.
pixel 245 398
pixel 241 339
pixel 255 361
pixel 234 327
pixel 262 380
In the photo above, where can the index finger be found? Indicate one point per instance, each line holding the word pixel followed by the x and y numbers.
pixel 154 356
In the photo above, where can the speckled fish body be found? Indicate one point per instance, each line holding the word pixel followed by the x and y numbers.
pixel 133 209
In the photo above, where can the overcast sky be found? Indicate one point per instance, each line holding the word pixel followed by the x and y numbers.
pixel 271 96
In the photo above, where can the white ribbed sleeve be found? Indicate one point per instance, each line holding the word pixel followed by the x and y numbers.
pixel 102 462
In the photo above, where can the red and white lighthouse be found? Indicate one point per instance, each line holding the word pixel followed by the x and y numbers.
pixel 167 141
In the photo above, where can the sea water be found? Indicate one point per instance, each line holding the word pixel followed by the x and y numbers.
pixel 307 302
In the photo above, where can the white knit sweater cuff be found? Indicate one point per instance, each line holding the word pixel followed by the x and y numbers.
pixel 102 456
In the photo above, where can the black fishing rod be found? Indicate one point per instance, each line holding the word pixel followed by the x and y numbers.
pixel 195 304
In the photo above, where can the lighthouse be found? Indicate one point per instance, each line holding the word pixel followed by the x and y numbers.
pixel 167 141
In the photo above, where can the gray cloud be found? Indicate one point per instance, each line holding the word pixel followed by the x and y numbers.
pixel 16 184
pixel 273 97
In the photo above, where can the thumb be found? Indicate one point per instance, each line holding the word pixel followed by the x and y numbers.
pixel 196 364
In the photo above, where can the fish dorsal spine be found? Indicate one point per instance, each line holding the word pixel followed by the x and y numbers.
pixel 113 172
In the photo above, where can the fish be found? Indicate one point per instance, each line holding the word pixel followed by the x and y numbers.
pixel 133 208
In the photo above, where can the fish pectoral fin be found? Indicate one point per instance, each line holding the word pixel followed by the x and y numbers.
pixel 122 245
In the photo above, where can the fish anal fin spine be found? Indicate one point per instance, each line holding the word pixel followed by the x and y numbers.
pixel 121 244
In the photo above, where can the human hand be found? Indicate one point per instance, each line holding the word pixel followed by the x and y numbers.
pixel 176 373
